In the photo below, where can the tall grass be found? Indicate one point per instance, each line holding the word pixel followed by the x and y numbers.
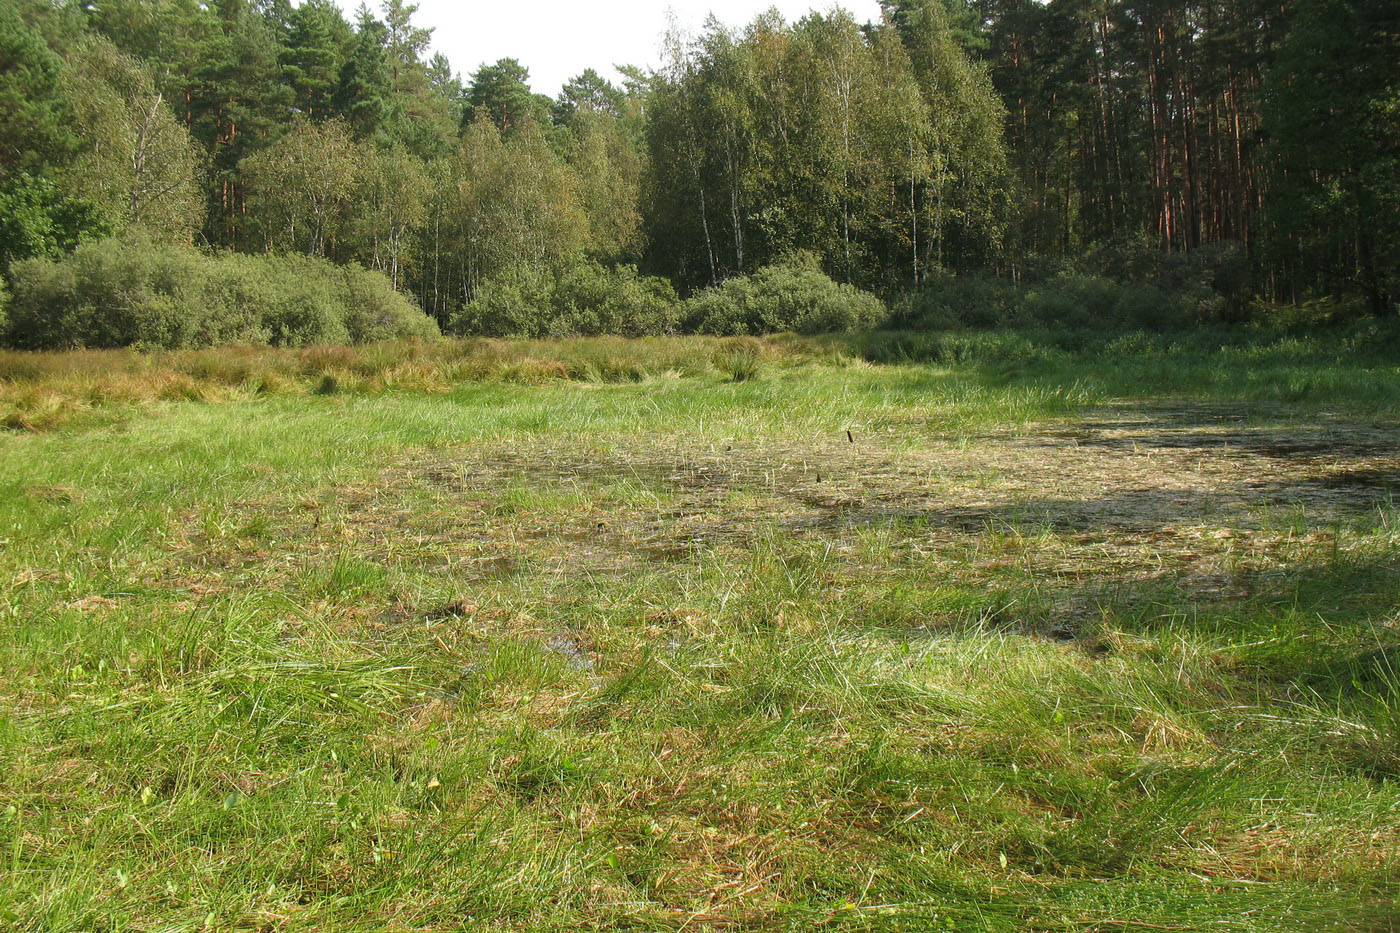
pixel 1306 369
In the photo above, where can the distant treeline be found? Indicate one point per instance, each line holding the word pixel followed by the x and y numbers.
pixel 1217 151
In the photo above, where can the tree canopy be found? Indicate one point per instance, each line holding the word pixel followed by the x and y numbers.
pixel 1008 137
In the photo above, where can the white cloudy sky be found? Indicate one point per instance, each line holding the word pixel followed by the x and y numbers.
pixel 557 39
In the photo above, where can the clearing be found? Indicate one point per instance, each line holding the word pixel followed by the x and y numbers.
pixel 841 646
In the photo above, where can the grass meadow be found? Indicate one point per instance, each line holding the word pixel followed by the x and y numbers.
pixel 1012 631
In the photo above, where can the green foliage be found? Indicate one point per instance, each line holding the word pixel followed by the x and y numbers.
pixel 137 161
pixel 968 166
pixel 518 204
pixel 362 94
pixel 501 93
pixel 792 295
pixel 127 291
pixel 1050 144
pixel 405 44
pixel 238 105
pixel 373 310
pixel 1122 286
pixel 298 186
pixel 882 159
pixel 1067 299
pixel 108 293
pixel 609 170
pixel 36 123
pixel 289 301
pixel 37 219
pixel 391 190
pixel 588 92
pixel 1332 115
pixel 316 50
pixel 583 298
pixel 170 35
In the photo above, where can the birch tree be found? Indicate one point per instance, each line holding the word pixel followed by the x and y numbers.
pixel 300 186
pixel 138 162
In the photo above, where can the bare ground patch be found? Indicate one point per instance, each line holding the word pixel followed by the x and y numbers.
pixel 1120 472
pixel 1205 499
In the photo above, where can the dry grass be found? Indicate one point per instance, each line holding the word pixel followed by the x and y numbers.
pixel 39 391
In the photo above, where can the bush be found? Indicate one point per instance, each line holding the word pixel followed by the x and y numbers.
pixel 106 294
pixel 945 301
pixel 1073 300
pixel 792 295
pixel 287 301
pixel 375 311
pixel 584 299
pixel 129 291
pixel 1200 289
pixel 236 290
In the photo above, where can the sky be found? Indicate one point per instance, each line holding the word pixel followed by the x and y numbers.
pixel 557 39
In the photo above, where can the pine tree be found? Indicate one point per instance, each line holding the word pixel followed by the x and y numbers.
pixel 588 91
pixel 238 107
pixel 501 93
pixel 318 44
pixel 362 93
pixel 36 122
pixel 405 44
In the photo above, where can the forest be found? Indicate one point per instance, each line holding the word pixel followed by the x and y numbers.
pixel 960 162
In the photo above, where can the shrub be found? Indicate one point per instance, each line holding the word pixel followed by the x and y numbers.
pixel 375 311
pixel 514 304
pixel 1074 300
pixel 294 300
pixel 584 299
pixel 107 293
pixel 1182 291
pixel 945 300
pixel 235 288
pixel 132 291
pixel 792 295
pixel 593 301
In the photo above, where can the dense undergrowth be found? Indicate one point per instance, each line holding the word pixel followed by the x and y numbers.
pixel 130 291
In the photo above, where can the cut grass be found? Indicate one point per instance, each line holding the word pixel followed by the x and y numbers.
pixel 684 654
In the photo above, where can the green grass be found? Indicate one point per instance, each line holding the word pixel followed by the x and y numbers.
pixel 1056 638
